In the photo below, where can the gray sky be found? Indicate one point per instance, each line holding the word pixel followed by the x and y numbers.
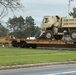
pixel 39 8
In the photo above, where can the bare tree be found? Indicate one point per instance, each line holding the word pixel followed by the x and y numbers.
pixel 5 5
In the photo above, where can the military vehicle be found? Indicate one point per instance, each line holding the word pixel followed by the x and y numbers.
pixel 55 27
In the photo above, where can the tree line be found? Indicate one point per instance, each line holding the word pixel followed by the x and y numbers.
pixel 20 27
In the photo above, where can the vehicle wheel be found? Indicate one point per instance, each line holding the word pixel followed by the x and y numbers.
pixel 58 37
pixel 73 35
pixel 49 35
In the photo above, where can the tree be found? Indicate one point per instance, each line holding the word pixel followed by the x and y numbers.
pixel 73 14
pixel 30 26
pixel 5 5
pixel 22 28
pixel 3 31
pixel 16 25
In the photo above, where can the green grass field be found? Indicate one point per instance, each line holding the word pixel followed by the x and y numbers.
pixel 17 56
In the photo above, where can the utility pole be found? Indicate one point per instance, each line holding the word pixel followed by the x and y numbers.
pixel 69 7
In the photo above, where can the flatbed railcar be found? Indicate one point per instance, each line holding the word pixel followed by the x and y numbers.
pixel 39 43
pixel 44 43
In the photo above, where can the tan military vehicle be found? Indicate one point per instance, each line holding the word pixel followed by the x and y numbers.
pixel 56 27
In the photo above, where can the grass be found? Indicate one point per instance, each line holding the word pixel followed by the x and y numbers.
pixel 17 56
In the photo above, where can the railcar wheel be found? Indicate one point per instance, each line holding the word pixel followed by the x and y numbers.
pixel 34 46
pixel 22 44
pixel 28 46
pixel 14 43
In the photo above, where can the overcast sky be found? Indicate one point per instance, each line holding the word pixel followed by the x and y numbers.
pixel 39 8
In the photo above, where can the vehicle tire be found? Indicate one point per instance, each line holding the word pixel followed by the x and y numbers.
pixel 48 35
pixel 58 37
pixel 14 43
pixel 73 34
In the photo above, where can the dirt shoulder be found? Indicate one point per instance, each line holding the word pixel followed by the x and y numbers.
pixel 35 65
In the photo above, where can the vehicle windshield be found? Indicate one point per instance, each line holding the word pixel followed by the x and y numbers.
pixel 45 20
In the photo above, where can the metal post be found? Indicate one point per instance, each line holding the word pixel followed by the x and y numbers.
pixel 68 7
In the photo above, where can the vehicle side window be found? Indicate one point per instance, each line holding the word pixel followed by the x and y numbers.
pixel 45 20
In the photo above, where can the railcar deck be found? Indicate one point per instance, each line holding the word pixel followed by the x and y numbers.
pixel 46 43
pixel 39 43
